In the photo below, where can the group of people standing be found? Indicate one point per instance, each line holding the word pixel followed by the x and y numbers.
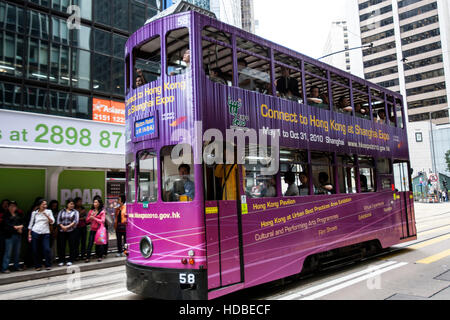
pixel 48 231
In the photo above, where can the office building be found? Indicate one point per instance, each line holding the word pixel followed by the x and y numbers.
pixel 410 52
pixel 62 96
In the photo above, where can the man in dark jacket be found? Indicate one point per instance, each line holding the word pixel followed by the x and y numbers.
pixel 286 85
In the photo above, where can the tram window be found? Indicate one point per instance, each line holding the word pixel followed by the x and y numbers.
pixel 177 179
pixel 288 83
pixel 147 62
pixel 131 187
pixel 346 173
pixel 294 171
pixel 252 47
pixel 254 73
pixel 323 173
pixel 178 52
pixel 399 108
pixel 147 173
pixel 367 174
pixel 383 166
pixel 401 176
pixel 216 34
pixel 218 62
pixel 361 100
pixel 256 183
pixel 341 99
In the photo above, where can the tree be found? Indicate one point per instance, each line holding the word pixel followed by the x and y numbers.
pixel 447 159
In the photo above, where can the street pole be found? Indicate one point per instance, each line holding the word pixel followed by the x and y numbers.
pixel 433 161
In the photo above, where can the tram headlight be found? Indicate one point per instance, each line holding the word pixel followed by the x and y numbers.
pixel 146 247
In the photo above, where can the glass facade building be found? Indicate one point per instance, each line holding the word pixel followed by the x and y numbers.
pixel 53 63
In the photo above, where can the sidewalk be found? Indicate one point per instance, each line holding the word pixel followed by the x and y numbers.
pixel 78 266
pixel 423 209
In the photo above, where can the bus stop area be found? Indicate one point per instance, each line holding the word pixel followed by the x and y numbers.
pixel 77 267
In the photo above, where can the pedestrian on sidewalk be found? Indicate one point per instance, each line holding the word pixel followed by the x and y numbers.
pixel 3 213
pixel 39 235
pixel 67 222
pixel 96 217
pixel 54 207
pixel 13 237
pixel 120 225
pixel 81 230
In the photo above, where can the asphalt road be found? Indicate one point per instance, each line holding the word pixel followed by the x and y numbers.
pixel 418 270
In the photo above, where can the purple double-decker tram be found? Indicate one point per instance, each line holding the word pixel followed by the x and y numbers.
pixel 198 229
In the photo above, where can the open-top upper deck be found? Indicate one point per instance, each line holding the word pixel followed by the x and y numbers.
pixel 329 109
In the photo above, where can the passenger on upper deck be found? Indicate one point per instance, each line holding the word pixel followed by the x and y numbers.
pixel 381 116
pixel 187 62
pixel 139 81
pixel 344 105
pixel 184 189
pixel 316 98
pixel 289 178
pixel 360 111
pixel 246 81
pixel 215 76
pixel 287 86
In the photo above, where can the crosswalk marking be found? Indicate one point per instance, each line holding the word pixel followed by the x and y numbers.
pixel 435 257
pixel 354 281
pixel 331 283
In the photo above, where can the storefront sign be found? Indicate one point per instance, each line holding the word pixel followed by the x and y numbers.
pixel 108 111
pixel 80 183
pixel 36 131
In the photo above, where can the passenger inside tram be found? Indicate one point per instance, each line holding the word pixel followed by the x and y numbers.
pixel 246 81
pixel 185 65
pixel 344 105
pixel 183 188
pixel 304 187
pixel 269 188
pixel 139 81
pixel 381 116
pixel 363 182
pixel 289 178
pixel 361 111
pixel 324 186
pixel 215 75
pixel 317 99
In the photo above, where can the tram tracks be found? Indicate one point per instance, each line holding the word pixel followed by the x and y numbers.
pixel 64 286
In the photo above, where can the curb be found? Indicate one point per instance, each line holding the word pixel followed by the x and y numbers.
pixel 22 276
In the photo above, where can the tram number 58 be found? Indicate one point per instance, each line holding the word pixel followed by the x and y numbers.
pixel 188 278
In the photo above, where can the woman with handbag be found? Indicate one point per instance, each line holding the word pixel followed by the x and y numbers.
pixel 67 222
pixel 96 218
pixel 39 235
pixel 120 225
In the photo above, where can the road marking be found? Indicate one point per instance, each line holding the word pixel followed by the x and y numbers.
pixel 422 233
pixel 435 257
pixel 429 242
pixel 336 281
pixel 115 295
pixel 354 281
pixel 97 295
